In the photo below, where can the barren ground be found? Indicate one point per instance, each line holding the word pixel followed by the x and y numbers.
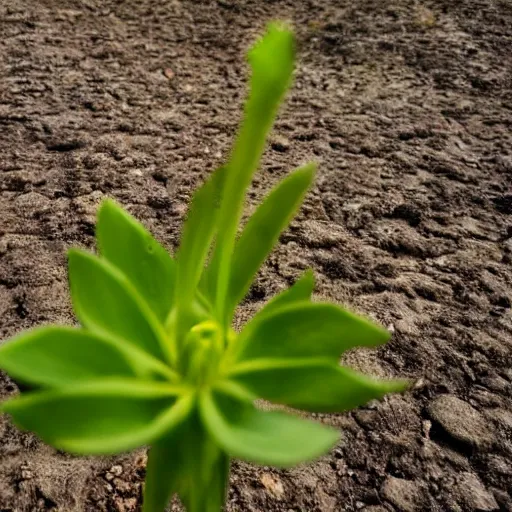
pixel 406 104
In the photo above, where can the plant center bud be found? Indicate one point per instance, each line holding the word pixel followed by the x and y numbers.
pixel 203 350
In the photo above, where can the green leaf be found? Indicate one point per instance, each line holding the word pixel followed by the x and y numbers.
pixel 271 60
pixel 216 493
pixel 197 235
pixel 272 438
pixel 300 291
pixel 196 240
pixel 306 329
pixel 263 229
pixel 57 356
pixel 188 462
pixel 106 303
pixel 106 416
pixel 312 385
pixel 126 244
pixel 163 472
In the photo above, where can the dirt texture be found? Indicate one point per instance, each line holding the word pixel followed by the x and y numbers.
pixel 406 104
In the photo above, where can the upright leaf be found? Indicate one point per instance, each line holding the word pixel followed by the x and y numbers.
pixel 313 385
pixel 271 60
pixel 306 329
pixel 101 417
pixel 106 303
pixel 196 239
pixel 262 231
pixel 126 244
pixel 264 437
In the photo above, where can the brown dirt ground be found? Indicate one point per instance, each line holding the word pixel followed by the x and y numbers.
pixel 407 104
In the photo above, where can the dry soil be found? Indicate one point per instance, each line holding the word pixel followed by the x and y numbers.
pixel 406 104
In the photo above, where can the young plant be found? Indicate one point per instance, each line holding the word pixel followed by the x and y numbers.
pixel 156 361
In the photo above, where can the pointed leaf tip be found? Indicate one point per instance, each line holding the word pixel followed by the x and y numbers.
pixel 262 231
pixel 274 438
pixel 274 54
pixel 306 329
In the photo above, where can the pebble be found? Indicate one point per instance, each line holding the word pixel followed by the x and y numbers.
pixel 122 485
pixel 280 144
pixel 317 234
pixel 404 494
pixel 461 421
pixel 273 485
pixel 32 202
pixel 116 470
pixel 472 494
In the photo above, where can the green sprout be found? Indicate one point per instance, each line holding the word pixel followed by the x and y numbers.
pixel 156 361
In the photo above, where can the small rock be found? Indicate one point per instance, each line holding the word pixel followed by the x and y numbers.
pixel 169 73
pixel 130 504
pixel 116 470
pixel 121 485
pixel 26 474
pixel 326 502
pixel 499 465
pixel 503 499
pixel 279 143
pixel 32 203
pixel 406 495
pixel 141 461
pixel 321 234
pixel 119 504
pixel 273 485
pixel 502 417
pixel 471 492
pixel 461 421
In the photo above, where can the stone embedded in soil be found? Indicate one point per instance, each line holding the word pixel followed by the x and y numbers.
pixel 461 421
pixel 502 417
pixel 273 485
pixel 321 235
pixel 471 493
pixel 503 498
pixel 406 495
pixel 279 143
